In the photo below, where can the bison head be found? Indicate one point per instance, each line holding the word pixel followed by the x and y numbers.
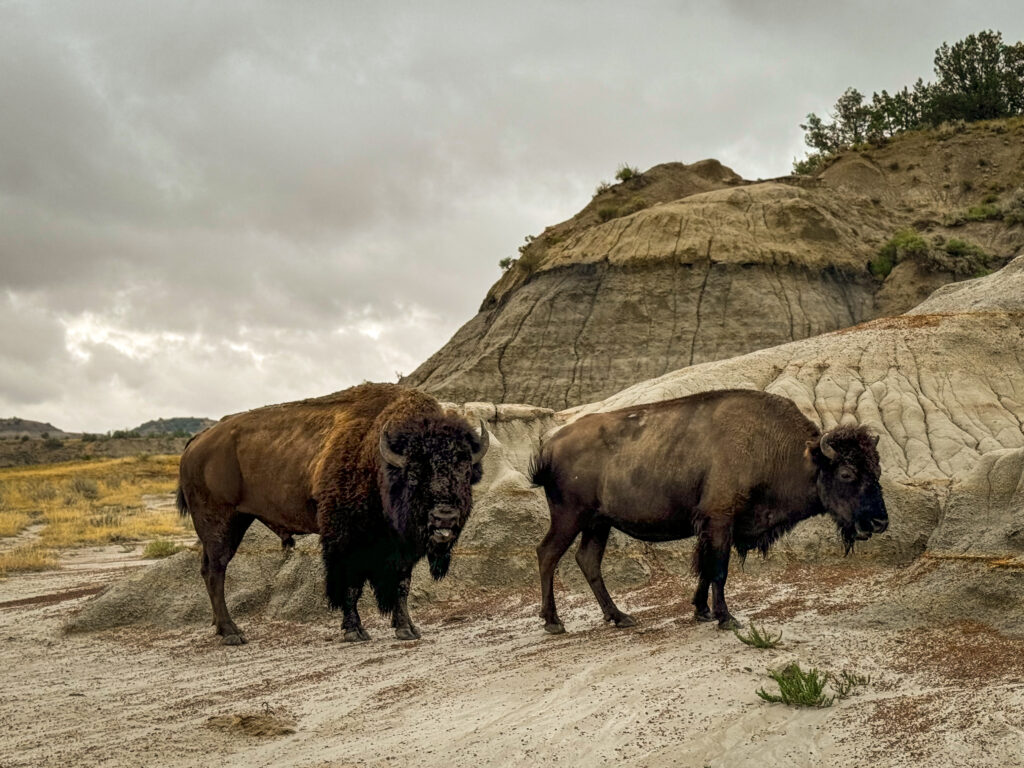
pixel 429 467
pixel 848 482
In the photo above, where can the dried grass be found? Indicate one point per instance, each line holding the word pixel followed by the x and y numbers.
pixel 85 503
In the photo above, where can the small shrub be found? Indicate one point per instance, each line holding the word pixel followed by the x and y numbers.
pixel 811 164
pixel 904 244
pixel 85 487
pixel 627 172
pixel 607 212
pixel 601 188
pixel 799 688
pixel 89 438
pixel 27 557
pixel 43 491
pixel 991 197
pixel 506 263
pixel 894 165
pixel 983 212
pixel 962 249
pixel 966 185
pixel 1013 208
pixel 758 638
pixel 53 443
pixel 160 548
pixel 24 438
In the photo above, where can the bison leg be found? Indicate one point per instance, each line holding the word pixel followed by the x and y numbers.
pixel 351 623
pixel 701 612
pixel 219 546
pixel 714 545
pixel 400 620
pixel 563 531
pixel 588 557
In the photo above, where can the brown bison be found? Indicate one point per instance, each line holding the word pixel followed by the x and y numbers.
pixel 735 468
pixel 381 472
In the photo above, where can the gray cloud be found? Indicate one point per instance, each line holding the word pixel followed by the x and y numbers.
pixel 206 207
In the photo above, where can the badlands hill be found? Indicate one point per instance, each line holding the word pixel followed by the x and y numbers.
pixel 686 264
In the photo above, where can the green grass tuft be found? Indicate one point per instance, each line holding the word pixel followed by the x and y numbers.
pixel 758 638
pixel 800 688
pixel 160 548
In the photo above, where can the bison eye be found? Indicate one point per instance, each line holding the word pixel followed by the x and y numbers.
pixel 846 474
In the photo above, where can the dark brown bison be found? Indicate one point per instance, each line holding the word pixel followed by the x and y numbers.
pixel 381 472
pixel 735 468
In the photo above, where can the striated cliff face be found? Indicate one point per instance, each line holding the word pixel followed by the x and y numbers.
pixel 705 266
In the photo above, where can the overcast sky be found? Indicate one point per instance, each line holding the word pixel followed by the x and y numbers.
pixel 206 207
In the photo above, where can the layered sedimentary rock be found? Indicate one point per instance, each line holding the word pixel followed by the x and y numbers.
pixel 705 266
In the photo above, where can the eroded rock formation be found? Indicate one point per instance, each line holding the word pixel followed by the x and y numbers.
pixel 706 266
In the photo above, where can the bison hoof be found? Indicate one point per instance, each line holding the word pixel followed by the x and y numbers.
pixel 703 615
pixel 624 620
pixel 233 639
pixel 358 635
pixel 729 622
pixel 554 628
pixel 407 633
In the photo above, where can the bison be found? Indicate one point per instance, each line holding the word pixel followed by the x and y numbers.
pixel 735 468
pixel 380 471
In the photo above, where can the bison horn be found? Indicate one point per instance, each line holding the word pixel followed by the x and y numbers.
pixel 390 456
pixel 828 450
pixel 485 441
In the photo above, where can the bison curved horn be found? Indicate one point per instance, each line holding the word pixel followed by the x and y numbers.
pixel 485 441
pixel 392 457
pixel 828 450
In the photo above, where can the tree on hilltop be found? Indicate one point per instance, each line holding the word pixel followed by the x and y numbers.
pixel 977 78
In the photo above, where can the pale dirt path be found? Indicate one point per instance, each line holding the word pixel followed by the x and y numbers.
pixel 486 687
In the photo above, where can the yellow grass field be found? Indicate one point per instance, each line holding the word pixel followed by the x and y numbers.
pixel 83 503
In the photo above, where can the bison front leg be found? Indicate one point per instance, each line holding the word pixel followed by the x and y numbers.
pixel 351 623
pixel 344 588
pixel 400 620
pixel 714 546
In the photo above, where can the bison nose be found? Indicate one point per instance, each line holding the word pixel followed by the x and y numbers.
pixel 880 524
pixel 444 517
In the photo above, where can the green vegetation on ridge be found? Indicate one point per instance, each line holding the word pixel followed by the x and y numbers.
pixel 977 78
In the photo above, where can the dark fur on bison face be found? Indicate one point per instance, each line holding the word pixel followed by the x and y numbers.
pixel 430 465
pixel 848 482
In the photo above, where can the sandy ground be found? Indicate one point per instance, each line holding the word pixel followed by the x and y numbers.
pixel 486 687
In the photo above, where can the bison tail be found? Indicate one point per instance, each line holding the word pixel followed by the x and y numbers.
pixel 182 504
pixel 542 473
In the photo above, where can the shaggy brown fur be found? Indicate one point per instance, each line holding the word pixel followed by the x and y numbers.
pixel 316 466
pixel 735 468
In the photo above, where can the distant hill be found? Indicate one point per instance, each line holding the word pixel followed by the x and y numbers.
pixel 179 425
pixel 16 427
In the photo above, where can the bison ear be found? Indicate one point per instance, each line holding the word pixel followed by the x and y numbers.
pixel 812 452
pixel 389 455
pixel 484 439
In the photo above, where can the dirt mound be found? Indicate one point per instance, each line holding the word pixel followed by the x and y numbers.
pixel 262 725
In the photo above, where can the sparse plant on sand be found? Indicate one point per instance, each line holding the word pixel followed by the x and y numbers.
pixel 806 688
pixel 160 548
pixel 758 638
